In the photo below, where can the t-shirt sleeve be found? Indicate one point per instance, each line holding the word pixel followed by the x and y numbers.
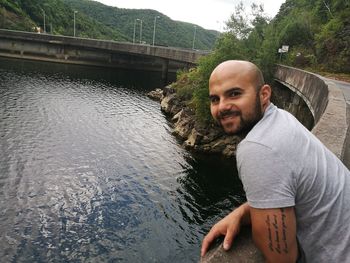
pixel 267 178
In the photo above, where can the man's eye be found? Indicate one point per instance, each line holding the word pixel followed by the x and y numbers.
pixel 213 99
pixel 235 93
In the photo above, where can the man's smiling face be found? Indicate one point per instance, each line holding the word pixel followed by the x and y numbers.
pixel 234 97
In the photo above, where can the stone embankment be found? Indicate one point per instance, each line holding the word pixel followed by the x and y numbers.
pixel 195 136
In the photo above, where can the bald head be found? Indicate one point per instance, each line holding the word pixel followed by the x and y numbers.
pixel 238 68
pixel 238 95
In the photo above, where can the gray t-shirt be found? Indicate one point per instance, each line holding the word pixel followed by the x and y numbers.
pixel 282 164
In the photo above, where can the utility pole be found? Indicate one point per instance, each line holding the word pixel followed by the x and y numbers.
pixel 133 39
pixel 154 28
pixel 194 36
pixel 44 22
pixel 140 31
pixel 74 21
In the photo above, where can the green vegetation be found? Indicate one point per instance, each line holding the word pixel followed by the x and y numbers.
pixel 316 31
pixel 95 20
pixel 168 32
pixel 28 15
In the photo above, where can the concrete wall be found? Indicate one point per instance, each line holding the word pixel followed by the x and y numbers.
pixel 170 53
pixel 292 102
pixel 84 51
pixel 326 103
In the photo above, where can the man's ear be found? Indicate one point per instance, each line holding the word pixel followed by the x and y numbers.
pixel 265 94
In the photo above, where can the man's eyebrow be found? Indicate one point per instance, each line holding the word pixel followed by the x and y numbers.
pixel 233 89
pixel 226 92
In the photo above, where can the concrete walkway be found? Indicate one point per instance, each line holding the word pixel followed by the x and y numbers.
pixel 345 87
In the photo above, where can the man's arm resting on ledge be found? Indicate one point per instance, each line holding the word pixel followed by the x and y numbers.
pixel 274 233
pixel 228 227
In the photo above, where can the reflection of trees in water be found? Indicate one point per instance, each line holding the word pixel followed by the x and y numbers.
pixel 209 190
pixel 136 79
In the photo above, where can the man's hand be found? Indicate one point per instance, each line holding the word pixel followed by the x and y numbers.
pixel 228 227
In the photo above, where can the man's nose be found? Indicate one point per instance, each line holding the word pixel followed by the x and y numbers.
pixel 224 105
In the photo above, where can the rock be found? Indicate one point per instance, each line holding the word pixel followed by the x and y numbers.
pixel 171 104
pixel 155 94
pixel 193 139
pixel 178 115
pixel 168 90
pixel 184 125
pixel 196 136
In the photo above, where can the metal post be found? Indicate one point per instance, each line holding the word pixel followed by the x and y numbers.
pixel 74 21
pixel 194 36
pixel 44 22
pixel 133 38
pixel 140 31
pixel 154 29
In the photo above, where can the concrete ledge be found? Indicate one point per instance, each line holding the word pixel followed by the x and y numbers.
pixel 243 251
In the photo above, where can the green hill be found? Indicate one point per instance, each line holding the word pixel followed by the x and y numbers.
pixel 168 32
pixel 58 16
pixel 317 31
pixel 95 20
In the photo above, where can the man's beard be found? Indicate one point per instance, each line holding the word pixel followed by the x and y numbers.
pixel 246 123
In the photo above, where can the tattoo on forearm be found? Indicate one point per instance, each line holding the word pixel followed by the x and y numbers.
pixel 277 237
pixel 284 229
pixel 268 223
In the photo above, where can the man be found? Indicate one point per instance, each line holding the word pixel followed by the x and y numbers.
pixel 298 192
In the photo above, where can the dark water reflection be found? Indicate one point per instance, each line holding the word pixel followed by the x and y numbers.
pixel 89 170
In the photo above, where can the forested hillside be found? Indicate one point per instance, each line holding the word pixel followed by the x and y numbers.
pixel 58 17
pixel 95 20
pixel 168 32
pixel 318 32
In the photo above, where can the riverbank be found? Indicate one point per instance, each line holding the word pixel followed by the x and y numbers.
pixel 194 136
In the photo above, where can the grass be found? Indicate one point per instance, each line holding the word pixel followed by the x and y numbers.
pixel 336 76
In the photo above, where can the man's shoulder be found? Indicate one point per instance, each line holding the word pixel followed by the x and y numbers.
pixel 276 128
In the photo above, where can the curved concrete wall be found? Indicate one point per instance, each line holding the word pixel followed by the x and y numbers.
pixel 325 101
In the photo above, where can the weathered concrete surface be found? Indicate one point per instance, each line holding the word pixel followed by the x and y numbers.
pixel 242 251
pixel 292 102
pixel 326 102
pixel 83 51
pixel 171 53
pixel 332 128
pixel 345 88
pixel 310 87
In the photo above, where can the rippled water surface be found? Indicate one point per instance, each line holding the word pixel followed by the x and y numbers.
pixel 89 170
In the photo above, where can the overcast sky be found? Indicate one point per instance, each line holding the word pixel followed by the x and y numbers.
pixel 210 14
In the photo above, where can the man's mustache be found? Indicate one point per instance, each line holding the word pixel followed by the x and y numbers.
pixel 228 113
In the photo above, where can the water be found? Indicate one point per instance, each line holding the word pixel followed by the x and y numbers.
pixel 89 170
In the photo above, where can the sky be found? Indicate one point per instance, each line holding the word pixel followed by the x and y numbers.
pixel 209 14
